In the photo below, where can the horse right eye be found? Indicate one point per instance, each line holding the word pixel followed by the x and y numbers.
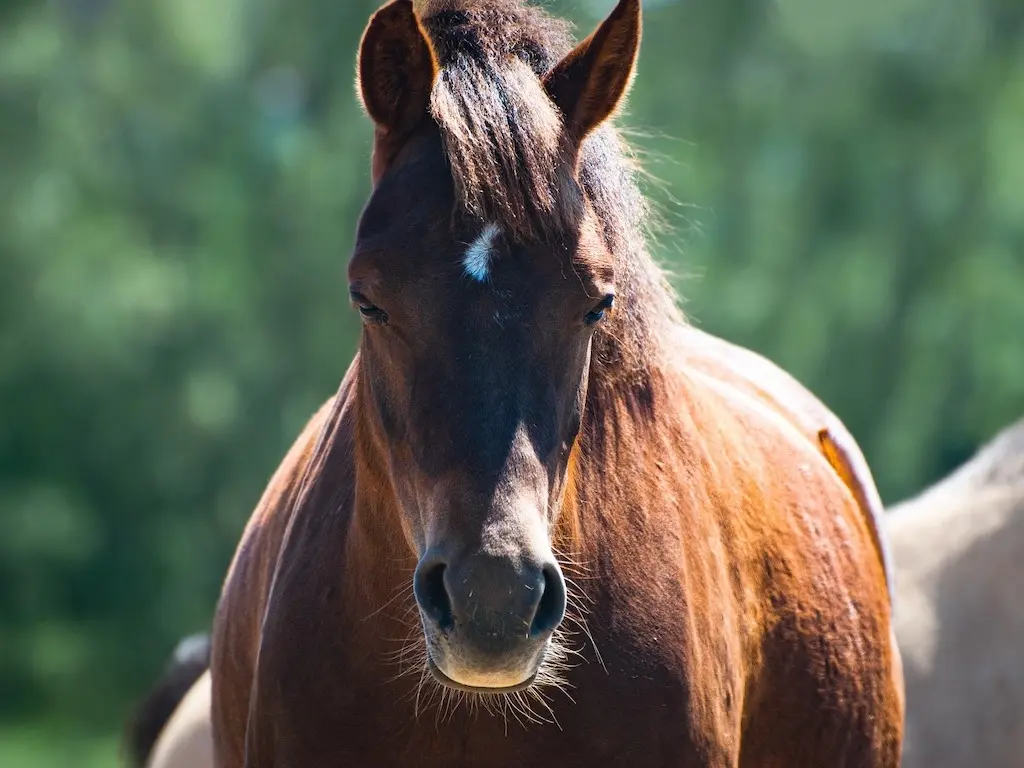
pixel 368 310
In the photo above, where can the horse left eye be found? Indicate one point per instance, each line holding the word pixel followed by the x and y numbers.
pixel 597 313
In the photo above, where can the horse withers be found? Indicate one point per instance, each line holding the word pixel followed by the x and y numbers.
pixel 544 521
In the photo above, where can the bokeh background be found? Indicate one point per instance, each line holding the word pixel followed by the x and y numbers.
pixel 843 188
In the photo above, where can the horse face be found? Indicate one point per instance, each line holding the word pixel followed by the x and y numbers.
pixel 474 363
pixel 475 355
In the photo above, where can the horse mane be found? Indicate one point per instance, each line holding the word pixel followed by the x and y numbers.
pixel 503 140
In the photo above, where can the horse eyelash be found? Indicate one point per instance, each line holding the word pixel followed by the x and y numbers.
pixel 368 309
pixel 597 313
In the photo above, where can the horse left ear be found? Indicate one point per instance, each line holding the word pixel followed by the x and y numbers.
pixel 590 82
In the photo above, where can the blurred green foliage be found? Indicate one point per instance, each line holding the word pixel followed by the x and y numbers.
pixel 179 180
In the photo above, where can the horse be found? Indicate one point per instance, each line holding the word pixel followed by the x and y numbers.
pixel 171 726
pixel 957 551
pixel 544 520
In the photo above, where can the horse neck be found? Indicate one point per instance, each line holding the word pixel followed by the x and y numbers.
pixel 379 560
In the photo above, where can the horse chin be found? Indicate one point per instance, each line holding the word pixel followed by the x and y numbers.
pixel 482 683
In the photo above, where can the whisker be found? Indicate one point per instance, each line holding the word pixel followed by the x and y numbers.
pixel 574 597
pixel 419 691
pixel 543 700
pixel 402 592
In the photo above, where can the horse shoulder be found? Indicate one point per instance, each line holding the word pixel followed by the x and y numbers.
pixel 786 482
pixel 779 390
pixel 821 610
pixel 239 614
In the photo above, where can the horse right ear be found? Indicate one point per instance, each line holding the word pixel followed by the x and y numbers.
pixel 395 77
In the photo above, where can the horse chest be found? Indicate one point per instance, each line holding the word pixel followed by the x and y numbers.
pixel 638 733
pixel 626 715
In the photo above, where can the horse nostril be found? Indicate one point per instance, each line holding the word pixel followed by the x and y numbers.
pixel 432 594
pixel 551 609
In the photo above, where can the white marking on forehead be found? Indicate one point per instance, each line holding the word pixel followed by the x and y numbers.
pixel 477 259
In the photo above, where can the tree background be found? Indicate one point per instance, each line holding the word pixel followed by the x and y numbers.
pixel 179 180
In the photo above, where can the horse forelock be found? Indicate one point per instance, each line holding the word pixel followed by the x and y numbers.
pixel 500 131
pixel 503 139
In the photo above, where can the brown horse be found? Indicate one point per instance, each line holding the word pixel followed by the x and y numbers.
pixel 960 625
pixel 538 495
